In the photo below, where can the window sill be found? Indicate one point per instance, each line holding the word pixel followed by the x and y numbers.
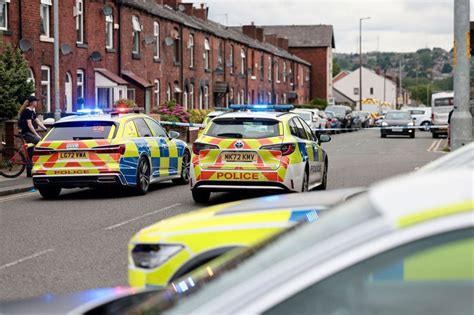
pixel 253 77
pixel 110 50
pixel 157 60
pixel 207 70
pixel 136 56
pixel 6 32
pixel 46 39
pixel 176 64
pixel 192 68
pixel 82 45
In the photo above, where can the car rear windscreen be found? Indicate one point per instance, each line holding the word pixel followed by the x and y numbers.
pixel 244 128
pixel 448 101
pixel 80 130
pixel 398 116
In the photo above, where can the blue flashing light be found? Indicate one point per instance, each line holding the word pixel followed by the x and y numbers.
pixel 90 111
pixel 262 107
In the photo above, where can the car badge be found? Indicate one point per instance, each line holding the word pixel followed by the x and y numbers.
pixel 72 146
pixel 239 145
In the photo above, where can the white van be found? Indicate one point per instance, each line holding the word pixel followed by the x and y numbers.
pixel 421 116
pixel 441 104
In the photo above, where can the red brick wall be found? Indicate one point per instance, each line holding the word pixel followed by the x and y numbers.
pixel 317 57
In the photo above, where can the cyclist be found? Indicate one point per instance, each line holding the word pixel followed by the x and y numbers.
pixel 27 122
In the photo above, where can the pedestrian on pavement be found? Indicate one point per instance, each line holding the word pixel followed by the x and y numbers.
pixel 27 123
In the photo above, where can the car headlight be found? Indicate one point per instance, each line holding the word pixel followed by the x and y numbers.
pixel 411 124
pixel 384 124
pixel 150 256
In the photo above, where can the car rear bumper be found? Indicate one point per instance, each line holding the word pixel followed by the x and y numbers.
pixel 219 186
pixel 397 131
pixel 79 181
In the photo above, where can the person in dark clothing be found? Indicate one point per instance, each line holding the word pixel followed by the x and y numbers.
pixel 27 124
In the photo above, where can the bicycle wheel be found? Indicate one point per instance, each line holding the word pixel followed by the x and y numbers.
pixel 12 162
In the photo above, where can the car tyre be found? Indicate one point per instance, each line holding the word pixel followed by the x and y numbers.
pixel 383 135
pixel 201 196
pixel 412 135
pixel 425 126
pixel 185 170
pixel 49 192
pixel 324 183
pixel 143 177
pixel 434 135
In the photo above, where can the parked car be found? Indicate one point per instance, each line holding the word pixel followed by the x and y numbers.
pixel 343 113
pixel 356 120
pixel 311 116
pixel 397 122
pixel 325 123
pixel 441 104
pixel 366 119
pixel 421 117
pixel 334 122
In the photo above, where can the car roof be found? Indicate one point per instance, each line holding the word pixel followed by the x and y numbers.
pixel 281 116
pixel 102 117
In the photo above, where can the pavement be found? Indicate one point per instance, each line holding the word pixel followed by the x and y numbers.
pixel 80 241
pixel 10 186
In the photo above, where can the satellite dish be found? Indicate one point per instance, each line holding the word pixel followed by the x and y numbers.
pixel 181 8
pixel 107 10
pixel 96 56
pixel 25 45
pixel 66 49
pixel 169 41
pixel 149 40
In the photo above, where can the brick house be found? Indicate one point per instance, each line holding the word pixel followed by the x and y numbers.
pixel 149 51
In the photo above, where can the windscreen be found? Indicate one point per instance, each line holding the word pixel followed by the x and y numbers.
pixel 80 130
pixel 305 115
pixel 244 128
pixel 447 101
pixel 398 116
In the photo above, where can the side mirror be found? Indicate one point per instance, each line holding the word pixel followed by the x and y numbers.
pixel 324 138
pixel 174 134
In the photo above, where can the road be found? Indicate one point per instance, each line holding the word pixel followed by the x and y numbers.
pixel 79 241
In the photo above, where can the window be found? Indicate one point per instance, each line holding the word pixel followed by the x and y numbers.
pixel 371 91
pixel 262 67
pixel 136 35
pixel 252 64
pixel 277 72
pixel 284 72
pixel 292 79
pixel 438 268
pixel 156 47
pixel 143 129
pixel 168 92
pixel 269 69
pixel 269 98
pixel 4 14
pixel 130 130
pixel 109 32
pixel 191 96
pixel 231 59
pixel 158 131
pixel 157 93
pixel 46 87
pixel 176 46
pixel 207 49
pixel 191 51
pixel 243 66
pixel 231 96
pixel 204 97
pixel 80 85
pixel 104 97
pixel 356 91
pixel 45 11
pixel 79 21
pixel 220 54
pixel 31 76
pixel 185 98
pixel 131 94
pixel 244 128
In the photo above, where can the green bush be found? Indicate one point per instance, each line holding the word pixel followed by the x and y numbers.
pixel 172 111
pixel 316 103
pixel 125 103
pixel 197 116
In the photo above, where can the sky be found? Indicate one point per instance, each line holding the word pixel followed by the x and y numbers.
pixel 395 25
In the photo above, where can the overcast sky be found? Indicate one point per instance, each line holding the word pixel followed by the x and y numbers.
pixel 395 25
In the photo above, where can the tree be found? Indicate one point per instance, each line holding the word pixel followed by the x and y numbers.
pixel 14 87
pixel 336 69
pixel 447 68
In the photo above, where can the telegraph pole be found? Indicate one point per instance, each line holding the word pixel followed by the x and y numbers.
pixel 461 119
pixel 57 107
pixel 360 61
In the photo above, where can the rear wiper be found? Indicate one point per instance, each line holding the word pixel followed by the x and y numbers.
pixel 231 135
pixel 86 138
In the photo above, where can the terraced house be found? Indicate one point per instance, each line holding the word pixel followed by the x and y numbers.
pixel 150 51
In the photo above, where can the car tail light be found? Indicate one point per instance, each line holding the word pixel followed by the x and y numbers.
pixel 198 147
pixel 286 148
pixel 110 149
pixel 43 151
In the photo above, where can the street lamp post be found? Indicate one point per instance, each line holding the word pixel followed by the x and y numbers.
pixel 360 61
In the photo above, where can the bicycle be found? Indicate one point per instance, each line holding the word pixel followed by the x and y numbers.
pixel 14 160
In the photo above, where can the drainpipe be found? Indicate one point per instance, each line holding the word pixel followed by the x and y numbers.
pixel 20 24
pixel 246 69
pixel 119 41
pixel 181 67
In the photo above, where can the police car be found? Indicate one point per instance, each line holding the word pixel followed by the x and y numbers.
pixel 121 148
pixel 258 147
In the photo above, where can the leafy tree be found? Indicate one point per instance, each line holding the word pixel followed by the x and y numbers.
pixel 447 68
pixel 336 69
pixel 14 87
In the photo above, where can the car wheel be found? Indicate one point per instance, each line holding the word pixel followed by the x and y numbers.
pixel 425 126
pixel 143 177
pixel 324 183
pixel 201 196
pixel 383 135
pixel 49 192
pixel 434 135
pixel 185 169
pixel 412 135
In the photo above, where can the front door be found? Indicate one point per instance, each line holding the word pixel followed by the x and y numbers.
pixel 68 92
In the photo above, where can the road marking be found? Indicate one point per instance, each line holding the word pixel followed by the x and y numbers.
pixel 434 145
pixel 26 258
pixel 140 217
pixel 437 146
pixel 431 146
pixel 9 198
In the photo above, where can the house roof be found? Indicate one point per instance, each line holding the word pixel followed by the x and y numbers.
pixel 137 79
pixel 210 27
pixel 304 35
pixel 340 75
pixel 111 76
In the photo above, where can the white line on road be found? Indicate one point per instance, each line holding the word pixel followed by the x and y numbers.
pixel 437 146
pixel 14 197
pixel 434 145
pixel 141 217
pixel 26 258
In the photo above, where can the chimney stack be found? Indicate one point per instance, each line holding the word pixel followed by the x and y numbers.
pixel 188 9
pixel 259 34
pixel 283 43
pixel 202 12
pixel 272 39
pixel 171 3
pixel 250 30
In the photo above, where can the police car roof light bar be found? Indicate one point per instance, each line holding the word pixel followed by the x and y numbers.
pixel 264 108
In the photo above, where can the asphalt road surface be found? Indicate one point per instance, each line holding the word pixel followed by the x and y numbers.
pixel 80 241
